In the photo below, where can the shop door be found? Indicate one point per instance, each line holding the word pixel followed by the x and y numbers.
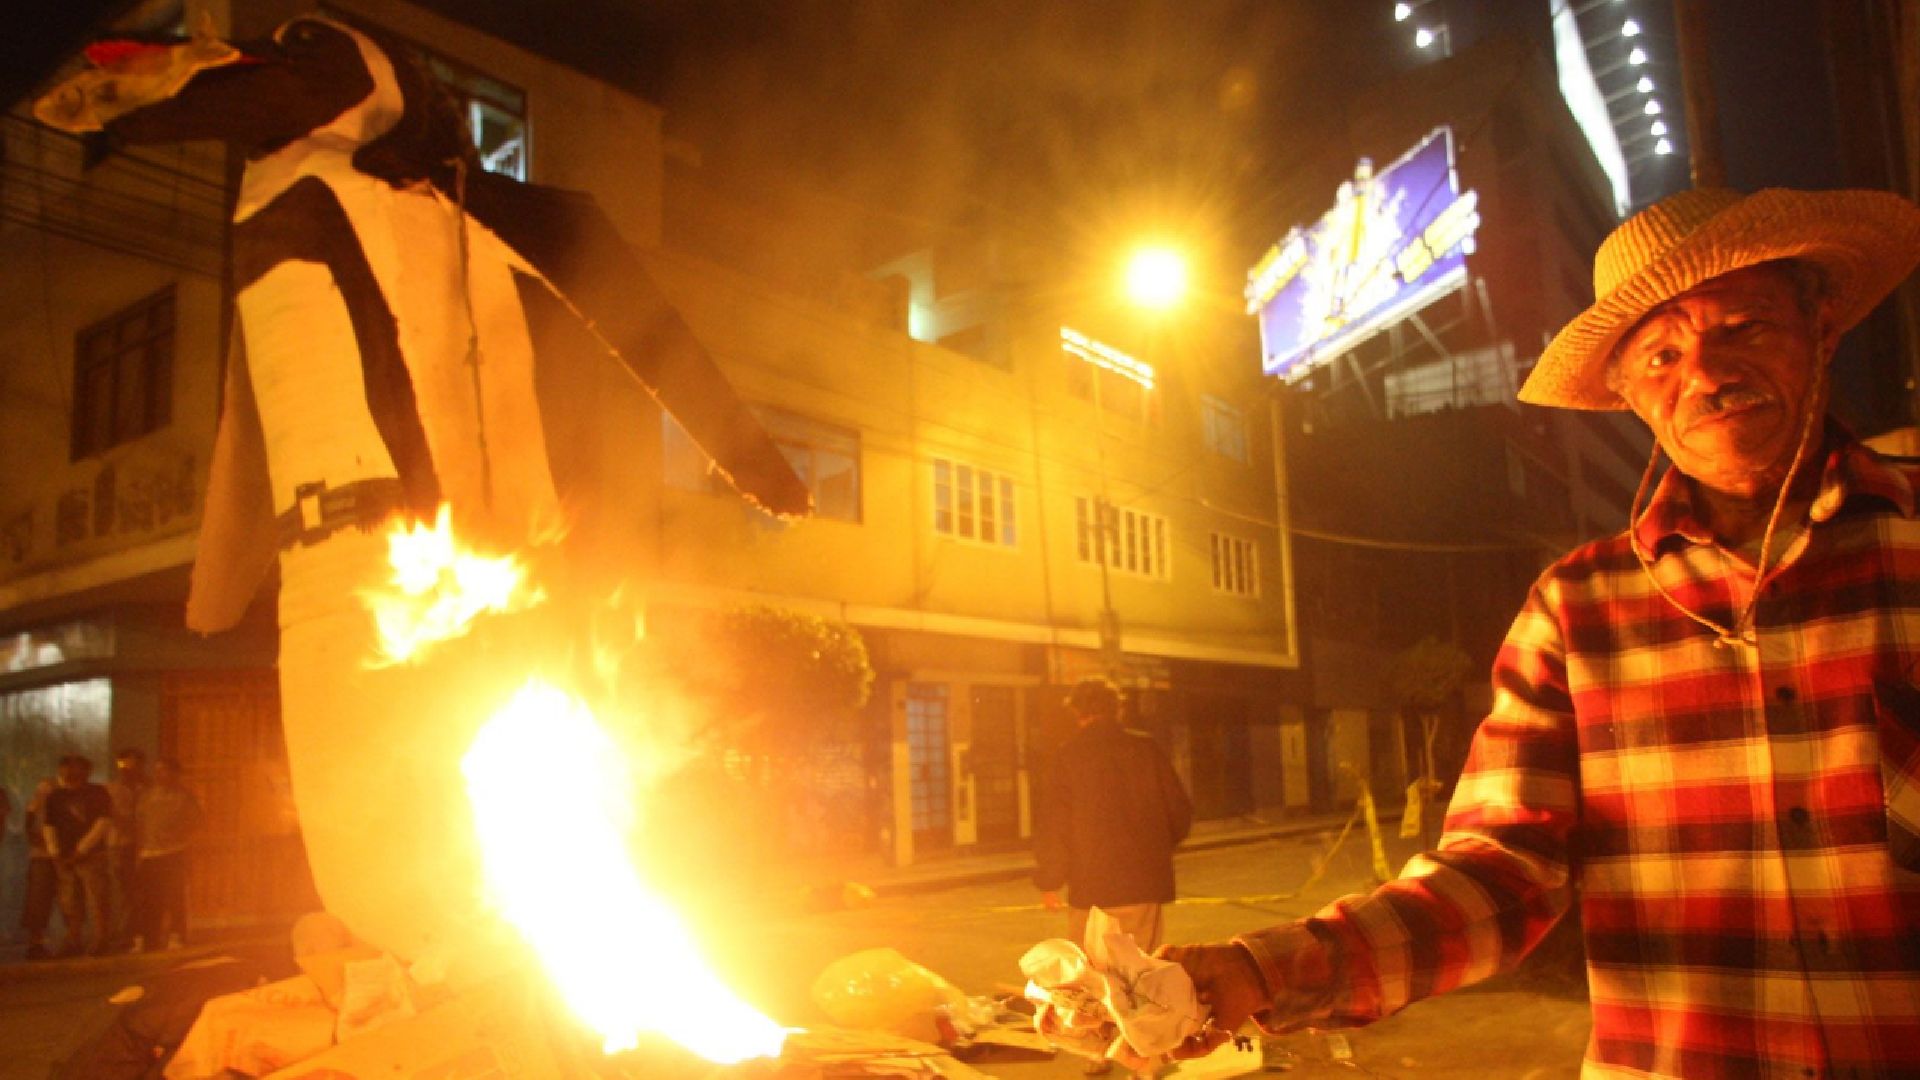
pixel 248 864
pixel 931 788
pixel 1221 751
pixel 995 764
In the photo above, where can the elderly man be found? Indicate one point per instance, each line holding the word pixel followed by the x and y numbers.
pixel 1710 723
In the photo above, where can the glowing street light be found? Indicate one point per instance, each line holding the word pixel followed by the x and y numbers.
pixel 1630 28
pixel 1653 107
pixel 1157 277
pixel 1659 128
pixel 1664 146
pixel 1402 12
pixel 1645 85
pixel 1637 57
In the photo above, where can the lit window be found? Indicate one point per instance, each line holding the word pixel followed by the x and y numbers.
pixel 496 114
pixel 1115 382
pixel 1225 428
pixel 123 375
pixel 971 503
pixel 1236 569
pixel 1133 541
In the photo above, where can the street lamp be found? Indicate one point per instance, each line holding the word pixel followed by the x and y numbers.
pixel 1156 278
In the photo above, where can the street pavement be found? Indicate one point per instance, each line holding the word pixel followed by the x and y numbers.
pixel 969 920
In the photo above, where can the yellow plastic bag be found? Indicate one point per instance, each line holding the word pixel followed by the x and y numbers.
pixel 881 989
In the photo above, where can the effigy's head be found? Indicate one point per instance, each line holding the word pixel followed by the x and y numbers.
pixel 312 79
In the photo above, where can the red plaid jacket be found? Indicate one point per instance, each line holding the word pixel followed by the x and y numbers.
pixel 1742 821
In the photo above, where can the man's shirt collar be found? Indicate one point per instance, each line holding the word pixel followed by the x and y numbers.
pixel 1849 472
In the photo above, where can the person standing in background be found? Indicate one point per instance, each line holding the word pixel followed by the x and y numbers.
pixel 43 880
pixel 165 819
pixel 78 817
pixel 129 779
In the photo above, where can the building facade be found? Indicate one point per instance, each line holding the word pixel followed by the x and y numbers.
pixel 1009 497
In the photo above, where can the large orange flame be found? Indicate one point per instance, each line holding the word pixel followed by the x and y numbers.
pixel 439 588
pixel 550 797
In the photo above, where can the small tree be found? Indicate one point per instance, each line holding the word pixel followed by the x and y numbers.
pixel 776 692
pixel 1426 677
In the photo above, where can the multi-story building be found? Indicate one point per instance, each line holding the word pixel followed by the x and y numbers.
pixel 1425 498
pixel 1010 494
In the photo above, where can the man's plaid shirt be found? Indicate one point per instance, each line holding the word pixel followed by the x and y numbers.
pixel 1742 822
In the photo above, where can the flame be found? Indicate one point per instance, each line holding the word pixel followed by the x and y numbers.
pixel 438 588
pixel 550 797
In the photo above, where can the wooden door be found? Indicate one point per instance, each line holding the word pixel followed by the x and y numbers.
pixel 247 865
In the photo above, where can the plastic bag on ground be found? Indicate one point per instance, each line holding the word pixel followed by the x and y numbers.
pixel 880 988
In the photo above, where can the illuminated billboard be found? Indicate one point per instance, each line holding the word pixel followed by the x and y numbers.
pixel 1394 241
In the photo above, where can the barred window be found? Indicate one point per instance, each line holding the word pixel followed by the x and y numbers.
pixel 1236 567
pixel 1133 541
pixel 972 503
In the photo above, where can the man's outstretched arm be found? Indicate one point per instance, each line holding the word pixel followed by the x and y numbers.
pixel 1473 907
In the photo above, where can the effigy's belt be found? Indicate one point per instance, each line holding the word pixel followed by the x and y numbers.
pixel 319 511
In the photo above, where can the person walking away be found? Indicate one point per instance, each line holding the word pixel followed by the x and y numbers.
pixel 1112 811
pixel 78 817
pixel 43 880
pixel 167 817
pixel 129 779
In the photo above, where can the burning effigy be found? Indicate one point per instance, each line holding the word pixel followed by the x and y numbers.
pixel 381 440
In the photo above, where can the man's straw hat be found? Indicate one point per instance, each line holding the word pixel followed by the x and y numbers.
pixel 1864 242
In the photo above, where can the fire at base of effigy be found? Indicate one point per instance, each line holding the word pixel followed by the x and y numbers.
pixel 566 963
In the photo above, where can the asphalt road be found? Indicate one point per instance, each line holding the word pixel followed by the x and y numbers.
pixel 1533 1026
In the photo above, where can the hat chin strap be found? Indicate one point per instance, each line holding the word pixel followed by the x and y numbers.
pixel 1742 632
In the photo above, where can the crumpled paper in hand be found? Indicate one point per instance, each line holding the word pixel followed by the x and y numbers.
pixel 1111 1000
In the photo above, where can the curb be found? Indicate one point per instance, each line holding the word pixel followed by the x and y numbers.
pixel 988 875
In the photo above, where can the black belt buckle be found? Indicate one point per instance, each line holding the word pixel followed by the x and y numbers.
pixel 319 511
pixel 309 513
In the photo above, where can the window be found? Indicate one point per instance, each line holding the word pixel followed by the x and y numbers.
pixel 496 114
pixel 972 503
pixel 1115 382
pixel 1236 567
pixel 826 457
pixel 1135 541
pixel 1225 428
pixel 123 375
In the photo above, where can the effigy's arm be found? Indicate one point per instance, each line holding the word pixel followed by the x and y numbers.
pixel 570 241
pixel 237 534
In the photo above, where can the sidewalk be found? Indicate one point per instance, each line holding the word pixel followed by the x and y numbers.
pixel 947 871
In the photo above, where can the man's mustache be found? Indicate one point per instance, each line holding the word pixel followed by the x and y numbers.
pixel 1729 397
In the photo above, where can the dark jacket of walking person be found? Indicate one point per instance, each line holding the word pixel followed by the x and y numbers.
pixel 1111 812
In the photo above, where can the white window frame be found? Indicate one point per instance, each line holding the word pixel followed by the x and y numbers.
pixel 1140 541
pixel 974 505
pixel 1236 565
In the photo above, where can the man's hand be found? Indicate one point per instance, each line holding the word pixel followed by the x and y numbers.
pixel 1227 982
pixel 1051 900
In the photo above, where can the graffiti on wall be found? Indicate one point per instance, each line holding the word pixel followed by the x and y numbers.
pixel 125 499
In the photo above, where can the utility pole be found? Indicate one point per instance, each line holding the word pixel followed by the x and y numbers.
pixel 1696 84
